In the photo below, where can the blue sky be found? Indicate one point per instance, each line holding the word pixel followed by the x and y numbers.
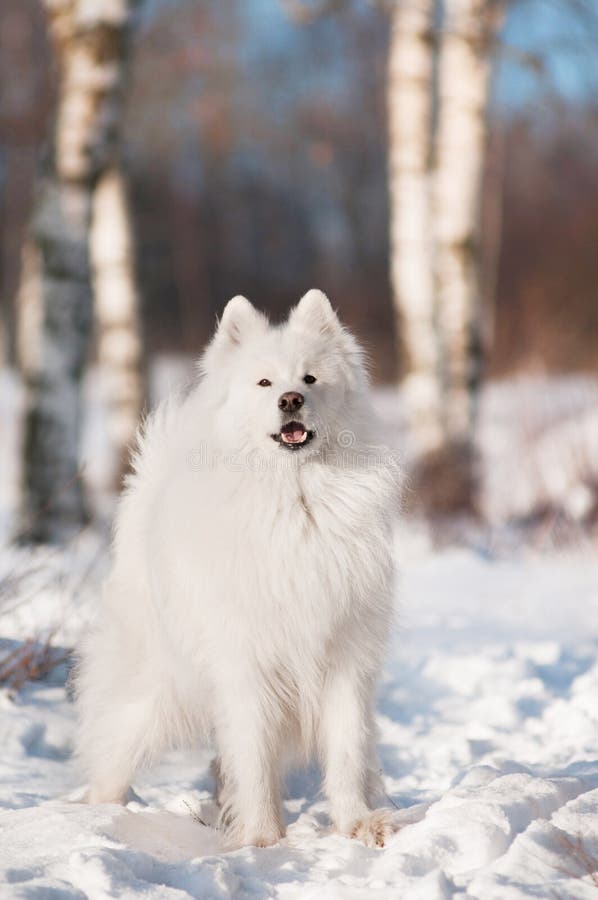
pixel 563 40
pixel 551 31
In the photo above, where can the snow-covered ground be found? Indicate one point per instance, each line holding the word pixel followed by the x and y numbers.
pixel 488 720
pixel 488 740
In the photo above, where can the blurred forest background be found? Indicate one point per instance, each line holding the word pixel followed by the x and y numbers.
pixel 259 146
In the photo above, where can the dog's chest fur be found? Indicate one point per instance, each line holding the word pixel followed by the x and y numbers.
pixel 319 538
pixel 283 566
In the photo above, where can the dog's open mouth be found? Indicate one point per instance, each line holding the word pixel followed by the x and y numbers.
pixel 293 435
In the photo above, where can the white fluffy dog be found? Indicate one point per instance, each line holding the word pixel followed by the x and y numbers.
pixel 250 598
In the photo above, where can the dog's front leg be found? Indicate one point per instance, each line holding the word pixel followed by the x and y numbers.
pixel 250 786
pixel 347 740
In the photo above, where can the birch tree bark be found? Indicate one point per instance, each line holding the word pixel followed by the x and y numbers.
pixel 116 307
pixel 90 42
pixel 410 95
pixel 465 62
pixel 438 87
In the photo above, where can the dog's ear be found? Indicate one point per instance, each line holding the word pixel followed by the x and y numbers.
pixel 314 313
pixel 239 319
pixel 238 322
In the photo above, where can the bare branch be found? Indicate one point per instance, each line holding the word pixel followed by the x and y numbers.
pixel 534 62
pixel 303 13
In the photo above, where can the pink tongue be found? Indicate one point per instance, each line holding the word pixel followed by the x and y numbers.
pixel 292 436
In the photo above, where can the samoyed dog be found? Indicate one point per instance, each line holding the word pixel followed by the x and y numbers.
pixel 250 598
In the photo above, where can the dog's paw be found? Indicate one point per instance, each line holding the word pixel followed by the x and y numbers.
pixel 375 828
pixel 100 793
pixel 254 837
pixel 263 840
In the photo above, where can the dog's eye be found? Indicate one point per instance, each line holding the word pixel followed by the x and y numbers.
pixel 265 383
pixel 310 379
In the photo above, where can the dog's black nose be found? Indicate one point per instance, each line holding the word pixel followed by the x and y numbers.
pixel 291 401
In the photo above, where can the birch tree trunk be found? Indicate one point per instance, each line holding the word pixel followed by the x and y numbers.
pixel 437 97
pixel 410 122
pixel 90 41
pixel 469 30
pixel 116 307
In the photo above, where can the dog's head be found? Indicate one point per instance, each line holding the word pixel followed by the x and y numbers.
pixel 286 388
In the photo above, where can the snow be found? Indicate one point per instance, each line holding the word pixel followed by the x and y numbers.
pixel 488 723
pixel 538 439
pixel 488 737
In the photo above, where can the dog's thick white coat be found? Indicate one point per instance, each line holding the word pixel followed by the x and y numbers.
pixel 250 597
